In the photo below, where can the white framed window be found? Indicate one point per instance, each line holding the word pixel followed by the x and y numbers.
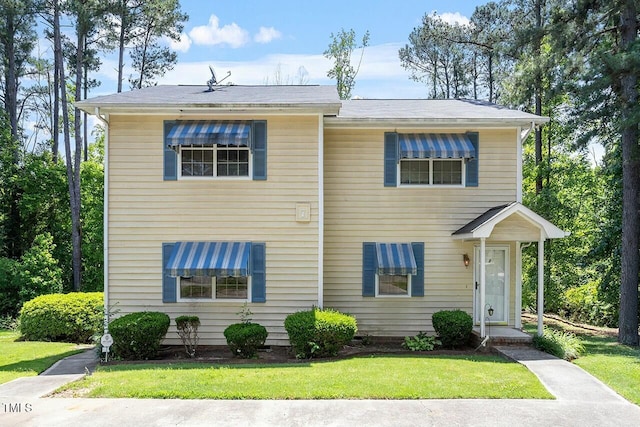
pixel 212 288
pixel 432 172
pixel 393 285
pixel 218 161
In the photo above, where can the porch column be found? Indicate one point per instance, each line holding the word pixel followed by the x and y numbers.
pixel 483 263
pixel 518 304
pixel 540 285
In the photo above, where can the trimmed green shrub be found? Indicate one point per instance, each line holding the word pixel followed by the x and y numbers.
pixel 564 345
pixel 245 338
pixel 73 317
pixel 319 333
pixel 138 335
pixel 453 327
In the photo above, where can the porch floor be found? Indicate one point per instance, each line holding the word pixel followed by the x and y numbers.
pixel 501 335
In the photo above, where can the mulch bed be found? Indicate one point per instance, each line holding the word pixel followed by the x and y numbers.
pixel 282 354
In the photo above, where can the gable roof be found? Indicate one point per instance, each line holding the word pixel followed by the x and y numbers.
pixel 383 113
pixel 171 98
pixel 483 225
pixel 450 112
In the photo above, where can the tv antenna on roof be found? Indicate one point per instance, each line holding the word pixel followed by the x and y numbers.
pixel 213 81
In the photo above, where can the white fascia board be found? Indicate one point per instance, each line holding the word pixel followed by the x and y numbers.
pixel 146 109
pixel 383 123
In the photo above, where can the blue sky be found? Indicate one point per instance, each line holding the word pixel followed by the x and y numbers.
pixel 255 39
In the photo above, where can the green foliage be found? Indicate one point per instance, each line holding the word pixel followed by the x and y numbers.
pixel 453 327
pixel 188 331
pixel 92 182
pixel 9 289
pixel 319 333
pixel 564 345
pixel 340 50
pixel 583 304
pixel 73 317
pixel 421 342
pixel 38 272
pixel 150 58
pixel 138 336
pixel 245 338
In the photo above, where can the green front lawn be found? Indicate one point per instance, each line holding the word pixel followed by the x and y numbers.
pixel 372 377
pixel 614 364
pixel 29 358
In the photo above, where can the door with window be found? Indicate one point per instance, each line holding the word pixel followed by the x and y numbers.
pixel 496 284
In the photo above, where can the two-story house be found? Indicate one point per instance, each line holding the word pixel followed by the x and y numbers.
pixel 285 197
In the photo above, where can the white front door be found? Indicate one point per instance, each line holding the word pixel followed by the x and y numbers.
pixel 496 285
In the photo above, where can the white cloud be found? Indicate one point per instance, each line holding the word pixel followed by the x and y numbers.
pixel 212 34
pixel 266 35
pixel 454 18
pixel 181 45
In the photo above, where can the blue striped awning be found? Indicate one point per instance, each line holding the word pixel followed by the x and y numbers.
pixel 396 258
pixel 435 145
pixel 209 133
pixel 209 259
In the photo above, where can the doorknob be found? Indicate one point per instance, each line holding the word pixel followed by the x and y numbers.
pixel 476 285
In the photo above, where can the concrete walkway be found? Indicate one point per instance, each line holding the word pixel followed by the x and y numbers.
pixel 581 401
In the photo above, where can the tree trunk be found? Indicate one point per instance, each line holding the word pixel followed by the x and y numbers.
pixel 121 46
pixel 73 200
pixel 11 84
pixel 538 94
pixel 628 320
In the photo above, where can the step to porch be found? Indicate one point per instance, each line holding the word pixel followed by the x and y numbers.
pixel 502 335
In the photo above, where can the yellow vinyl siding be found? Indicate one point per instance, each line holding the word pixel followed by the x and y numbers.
pixel 358 208
pixel 145 211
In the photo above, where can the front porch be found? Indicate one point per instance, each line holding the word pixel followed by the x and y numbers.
pixel 501 335
pixel 499 231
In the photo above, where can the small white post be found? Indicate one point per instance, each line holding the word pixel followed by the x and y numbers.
pixel 483 263
pixel 518 302
pixel 540 285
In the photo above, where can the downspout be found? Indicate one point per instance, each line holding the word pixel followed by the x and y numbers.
pixel 320 210
pixel 521 138
pixel 105 217
pixel 541 284
pixel 483 298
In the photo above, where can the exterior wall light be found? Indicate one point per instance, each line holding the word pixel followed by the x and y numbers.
pixel 465 260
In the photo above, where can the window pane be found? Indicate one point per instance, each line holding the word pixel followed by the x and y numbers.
pixel 393 284
pixel 196 287
pixel 233 162
pixel 447 172
pixel 414 172
pixel 231 287
pixel 197 161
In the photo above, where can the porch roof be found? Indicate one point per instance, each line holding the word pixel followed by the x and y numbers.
pixel 483 226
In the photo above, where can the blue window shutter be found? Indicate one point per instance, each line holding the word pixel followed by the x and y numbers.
pixel 390 159
pixel 472 164
pixel 258 272
pixel 170 156
pixel 259 150
pixel 169 291
pixel 417 280
pixel 369 262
